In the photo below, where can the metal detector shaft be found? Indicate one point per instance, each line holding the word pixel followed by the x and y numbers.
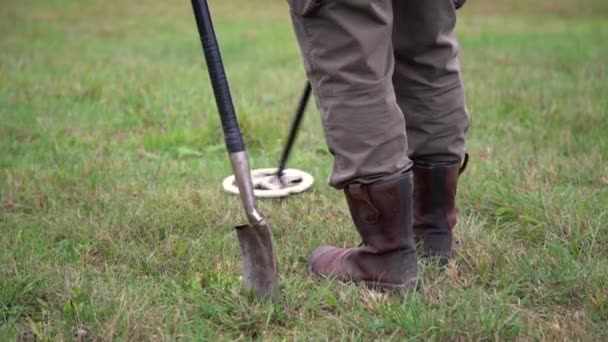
pixel 293 132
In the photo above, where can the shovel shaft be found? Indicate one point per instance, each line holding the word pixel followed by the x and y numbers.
pixel 242 176
pixel 223 99
pixel 219 82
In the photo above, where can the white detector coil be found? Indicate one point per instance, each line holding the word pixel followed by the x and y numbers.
pixel 266 184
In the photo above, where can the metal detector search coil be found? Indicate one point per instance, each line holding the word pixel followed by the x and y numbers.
pixel 266 184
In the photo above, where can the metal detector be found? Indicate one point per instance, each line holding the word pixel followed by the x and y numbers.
pixel 280 182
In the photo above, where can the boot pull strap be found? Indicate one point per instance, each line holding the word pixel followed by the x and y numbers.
pixel 367 211
pixel 464 164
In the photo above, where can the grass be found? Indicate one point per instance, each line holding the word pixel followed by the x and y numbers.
pixel 113 221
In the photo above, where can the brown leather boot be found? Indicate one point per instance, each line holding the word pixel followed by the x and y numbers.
pixel 435 208
pixel 386 259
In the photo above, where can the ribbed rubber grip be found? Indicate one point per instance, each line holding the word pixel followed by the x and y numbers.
pixel 219 82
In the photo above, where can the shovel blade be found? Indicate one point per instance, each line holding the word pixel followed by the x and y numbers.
pixel 260 274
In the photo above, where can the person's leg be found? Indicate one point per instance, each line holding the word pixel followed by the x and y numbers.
pixel 430 93
pixel 347 52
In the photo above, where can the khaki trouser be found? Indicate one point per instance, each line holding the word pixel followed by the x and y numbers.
pixel 386 79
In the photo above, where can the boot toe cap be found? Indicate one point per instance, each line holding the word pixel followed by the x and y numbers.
pixel 314 257
pixel 324 260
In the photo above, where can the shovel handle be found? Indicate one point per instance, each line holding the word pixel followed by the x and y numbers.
pixel 219 82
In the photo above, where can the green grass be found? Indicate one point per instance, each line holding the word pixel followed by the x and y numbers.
pixel 112 219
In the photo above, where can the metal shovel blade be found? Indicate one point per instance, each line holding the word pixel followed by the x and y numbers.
pixel 259 263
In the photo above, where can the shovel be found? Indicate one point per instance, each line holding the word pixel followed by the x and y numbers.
pixel 257 255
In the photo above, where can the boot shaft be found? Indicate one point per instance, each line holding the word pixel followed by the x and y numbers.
pixel 435 188
pixel 382 212
pixel 435 212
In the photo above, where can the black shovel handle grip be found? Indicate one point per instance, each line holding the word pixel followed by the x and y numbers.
pixel 219 82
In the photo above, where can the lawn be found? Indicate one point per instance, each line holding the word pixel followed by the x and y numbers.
pixel 113 223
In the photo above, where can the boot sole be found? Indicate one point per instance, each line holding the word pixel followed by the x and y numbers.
pixel 412 284
pixel 441 259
